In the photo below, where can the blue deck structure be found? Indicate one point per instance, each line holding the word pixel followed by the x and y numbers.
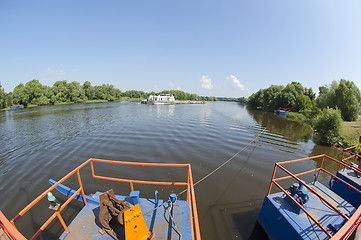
pixel 87 226
pixel 124 217
pixel 312 211
pixel 351 177
pixel 280 219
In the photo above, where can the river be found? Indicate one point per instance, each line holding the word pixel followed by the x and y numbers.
pixel 47 142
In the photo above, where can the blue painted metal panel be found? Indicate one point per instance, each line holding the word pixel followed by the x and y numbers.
pixel 349 194
pixel 281 221
pixel 86 224
pixel 69 192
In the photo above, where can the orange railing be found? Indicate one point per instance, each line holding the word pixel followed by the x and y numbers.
pixel 190 193
pixel 352 154
pixel 352 222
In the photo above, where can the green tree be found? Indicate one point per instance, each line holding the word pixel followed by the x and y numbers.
pixel 60 92
pixel 348 100
pixel 76 92
pixel 327 96
pixel 116 93
pixel 135 94
pixel 345 96
pixel 289 95
pixel 328 126
pixel 294 95
pixel 34 90
pixel 194 97
pixel 256 100
pixel 20 95
pixel 269 96
pixel 303 102
pixel 89 90
pixel 242 100
pixel 42 100
pixel 3 102
pixel 9 99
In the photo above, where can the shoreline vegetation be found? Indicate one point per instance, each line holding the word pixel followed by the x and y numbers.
pixel 33 94
pixel 334 115
pixel 350 133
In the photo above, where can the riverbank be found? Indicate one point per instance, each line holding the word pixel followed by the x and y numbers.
pixel 351 131
pixel 122 99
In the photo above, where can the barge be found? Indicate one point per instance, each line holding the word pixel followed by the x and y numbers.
pixel 304 209
pixel 106 215
pixel 161 99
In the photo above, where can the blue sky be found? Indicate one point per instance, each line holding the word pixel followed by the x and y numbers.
pixel 226 48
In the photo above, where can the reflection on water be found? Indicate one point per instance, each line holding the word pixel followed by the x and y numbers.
pixel 47 142
pixel 294 131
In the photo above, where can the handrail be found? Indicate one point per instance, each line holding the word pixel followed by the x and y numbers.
pixel 303 209
pixel 195 231
pixel 9 229
pixel 351 223
pixel 316 193
pixel 352 154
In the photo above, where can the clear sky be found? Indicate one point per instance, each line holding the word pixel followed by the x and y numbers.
pixel 226 48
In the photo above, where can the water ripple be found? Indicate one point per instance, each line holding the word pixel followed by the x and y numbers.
pixel 38 144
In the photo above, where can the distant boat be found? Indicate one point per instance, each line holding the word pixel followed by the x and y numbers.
pixel 161 99
pixel 16 106
pixel 282 110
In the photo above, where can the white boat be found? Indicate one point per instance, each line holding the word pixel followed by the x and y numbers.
pixel 161 99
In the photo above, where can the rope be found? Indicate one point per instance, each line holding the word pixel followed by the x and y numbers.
pixel 157 207
pixel 220 166
pixel 215 170
pixel 169 209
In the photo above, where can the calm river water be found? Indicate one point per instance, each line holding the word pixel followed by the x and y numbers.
pixel 47 142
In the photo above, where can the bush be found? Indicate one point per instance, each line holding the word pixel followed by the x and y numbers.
pixel 328 126
pixel 296 116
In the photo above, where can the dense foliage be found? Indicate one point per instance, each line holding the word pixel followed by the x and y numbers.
pixel 328 126
pixel 178 95
pixel 33 92
pixel 294 95
pixel 335 102
pixel 228 99
pixel 344 95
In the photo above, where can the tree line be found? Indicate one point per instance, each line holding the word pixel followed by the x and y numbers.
pixel 294 95
pixel 230 99
pixel 35 93
pixel 335 102
pixel 344 95
pixel 178 95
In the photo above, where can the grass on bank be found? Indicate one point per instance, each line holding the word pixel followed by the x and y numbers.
pixel 298 117
pixel 351 132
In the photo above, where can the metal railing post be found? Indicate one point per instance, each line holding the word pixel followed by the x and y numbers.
pixel 62 221
pixel 81 187
pixel 273 176
pixel 319 171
